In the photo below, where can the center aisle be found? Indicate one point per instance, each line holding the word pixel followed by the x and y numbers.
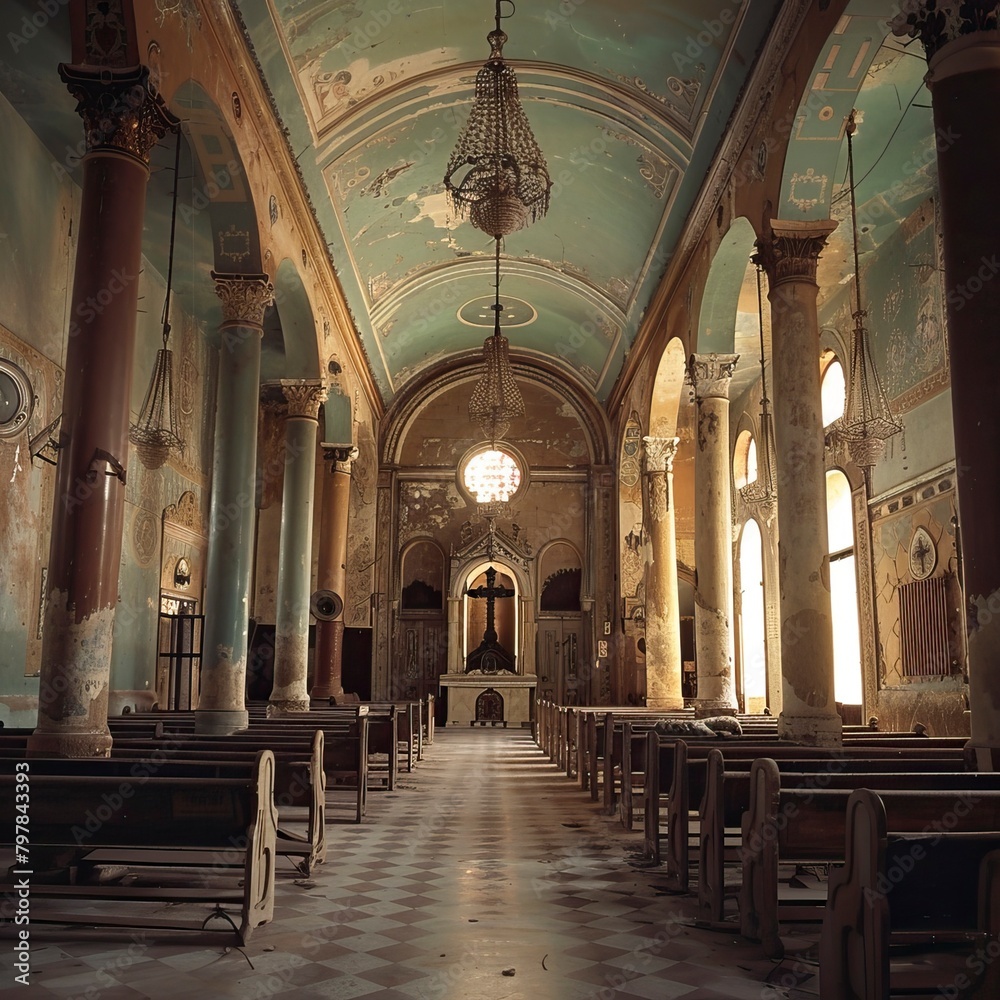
pixel 489 859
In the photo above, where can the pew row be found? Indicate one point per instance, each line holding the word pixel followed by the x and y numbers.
pixel 897 888
pixel 217 836
pixel 808 826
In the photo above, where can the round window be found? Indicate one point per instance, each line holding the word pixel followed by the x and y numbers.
pixel 16 399
pixel 491 476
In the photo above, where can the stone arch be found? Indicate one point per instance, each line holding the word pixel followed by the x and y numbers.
pixel 721 297
pixel 289 348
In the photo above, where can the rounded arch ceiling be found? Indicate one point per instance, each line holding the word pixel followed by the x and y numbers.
pixel 627 102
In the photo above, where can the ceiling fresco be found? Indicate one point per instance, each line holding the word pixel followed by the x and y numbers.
pixel 628 102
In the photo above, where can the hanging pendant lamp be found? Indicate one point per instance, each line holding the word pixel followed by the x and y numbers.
pixel 155 434
pixel 868 420
pixel 497 174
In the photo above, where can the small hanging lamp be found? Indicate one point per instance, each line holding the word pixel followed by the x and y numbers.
pixel 868 420
pixel 496 399
pixel 154 434
pixel 505 185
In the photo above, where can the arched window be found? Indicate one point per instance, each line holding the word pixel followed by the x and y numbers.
pixel 744 460
pixel 752 624
pixel 833 388
pixel 843 589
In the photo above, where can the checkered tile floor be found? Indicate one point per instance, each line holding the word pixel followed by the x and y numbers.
pixel 487 873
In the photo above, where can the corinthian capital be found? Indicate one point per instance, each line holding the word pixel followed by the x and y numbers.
pixel 121 112
pixel 938 22
pixel 793 249
pixel 303 398
pixel 244 297
pixel 342 456
pixel 710 374
pixel 660 453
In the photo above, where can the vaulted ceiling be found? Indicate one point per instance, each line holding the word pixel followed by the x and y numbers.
pixel 627 100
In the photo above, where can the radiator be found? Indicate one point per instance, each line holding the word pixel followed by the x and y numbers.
pixel 925 627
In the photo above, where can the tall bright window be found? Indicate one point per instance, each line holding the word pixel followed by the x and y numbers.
pixel 752 627
pixel 833 389
pixel 843 590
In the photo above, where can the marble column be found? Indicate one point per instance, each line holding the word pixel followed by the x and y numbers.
pixel 789 255
pixel 232 512
pixel 710 374
pixel 328 675
pixel 664 669
pixel 963 57
pixel 123 119
pixel 289 692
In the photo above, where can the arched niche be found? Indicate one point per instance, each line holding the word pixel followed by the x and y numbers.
pixel 421 577
pixel 559 578
pixel 506 611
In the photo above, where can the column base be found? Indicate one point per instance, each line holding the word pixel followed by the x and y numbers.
pixel 71 743
pixel 290 706
pixel 811 730
pixel 220 723
pixel 706 708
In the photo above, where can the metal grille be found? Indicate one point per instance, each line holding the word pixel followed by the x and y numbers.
pixel 924 623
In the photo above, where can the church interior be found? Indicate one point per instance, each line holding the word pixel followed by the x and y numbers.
pixel 498 359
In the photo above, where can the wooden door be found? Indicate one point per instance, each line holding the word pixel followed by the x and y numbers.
pixel 559 667
pixel 422 656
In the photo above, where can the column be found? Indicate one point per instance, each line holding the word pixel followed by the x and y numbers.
pixel 664 669
pixel 232 512
pixel 964 79
pixel 789 255
pixel 289 692
pixel 713 535
pixel 123 120
pixel 332 574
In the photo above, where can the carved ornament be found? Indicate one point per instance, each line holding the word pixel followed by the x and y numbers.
pixel 791 252
pixel 245 297
pixel 121 111
pixel 303 398
pixel 710 374
pixel 660 452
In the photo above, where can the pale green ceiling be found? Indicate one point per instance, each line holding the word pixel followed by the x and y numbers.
pixel 628 102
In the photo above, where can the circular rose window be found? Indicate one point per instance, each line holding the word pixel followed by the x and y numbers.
pixel 491 476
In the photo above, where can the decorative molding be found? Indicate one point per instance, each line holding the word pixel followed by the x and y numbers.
pixel 121 111
pixel 792 250
pixel 710 374
pixel 912 495
pixel 185 513
pixel 245 297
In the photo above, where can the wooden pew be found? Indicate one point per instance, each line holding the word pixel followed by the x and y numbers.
pixel 727 793
pixel 807 826
pixel 299 782
pixel 217 827
pixel 897 888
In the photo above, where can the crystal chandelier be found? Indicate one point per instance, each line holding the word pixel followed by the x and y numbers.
pixel 496 398
pixel 154 434
pixel 762 490
pixel 505 184
pixel 868 421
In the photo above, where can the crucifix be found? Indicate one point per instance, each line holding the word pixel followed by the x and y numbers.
pixel 489 656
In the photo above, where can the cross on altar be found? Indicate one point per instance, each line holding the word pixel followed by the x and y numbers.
pixel 489 656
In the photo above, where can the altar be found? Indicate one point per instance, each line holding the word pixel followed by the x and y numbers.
pixel 483 699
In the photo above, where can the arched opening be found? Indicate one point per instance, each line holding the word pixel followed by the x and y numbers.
pixel 744 460
pixel 474 611
pixel 753 646
pixel 833 388
pixel 843 590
